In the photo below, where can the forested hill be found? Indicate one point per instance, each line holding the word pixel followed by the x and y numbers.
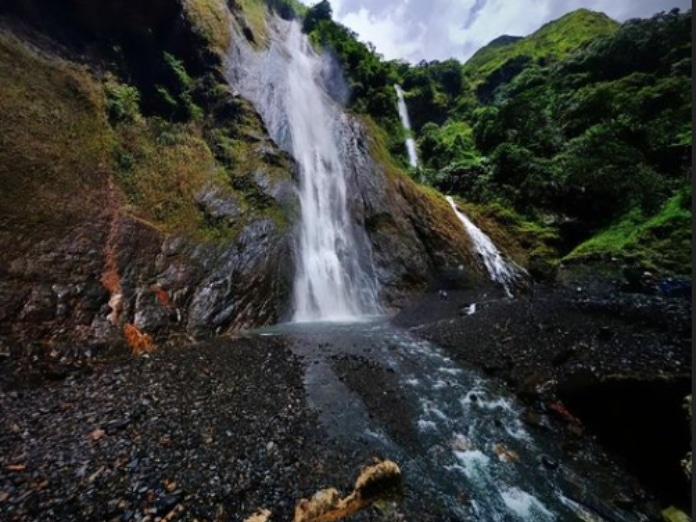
pixel 504 57
pixel 576 138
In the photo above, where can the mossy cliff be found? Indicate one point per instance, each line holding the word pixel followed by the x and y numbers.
pixel 142 199
pixel 124 210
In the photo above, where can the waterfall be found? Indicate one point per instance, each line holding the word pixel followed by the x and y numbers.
pixel 406 122
pixel 334 276
pixel 506 273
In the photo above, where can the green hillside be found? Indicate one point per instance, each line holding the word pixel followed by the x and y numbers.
pixel 551 42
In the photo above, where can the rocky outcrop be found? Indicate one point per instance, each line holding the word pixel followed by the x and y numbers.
pixel 414 235
pixel 94 282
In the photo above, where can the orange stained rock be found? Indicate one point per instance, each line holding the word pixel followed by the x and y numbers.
pixel 138 341
pixel 161 294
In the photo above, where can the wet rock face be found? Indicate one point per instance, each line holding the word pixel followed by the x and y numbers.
pixel 248 287
pixel 164 284
pixel 414 237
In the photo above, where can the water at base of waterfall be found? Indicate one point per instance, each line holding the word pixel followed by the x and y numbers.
pixel 454 433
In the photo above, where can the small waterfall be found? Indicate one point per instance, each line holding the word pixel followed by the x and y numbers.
pixel 506 273
pixel 334 277
pixel 406 122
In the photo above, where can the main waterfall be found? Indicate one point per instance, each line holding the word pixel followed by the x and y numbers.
pixel 334 277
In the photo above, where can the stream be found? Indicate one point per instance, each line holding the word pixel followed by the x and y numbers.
pixel 471 457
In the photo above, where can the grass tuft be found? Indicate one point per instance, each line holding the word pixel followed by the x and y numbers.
pixel 211 20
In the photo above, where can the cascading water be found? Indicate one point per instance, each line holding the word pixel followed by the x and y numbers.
pixel 501 271
pixel 406 122
pixel 333 279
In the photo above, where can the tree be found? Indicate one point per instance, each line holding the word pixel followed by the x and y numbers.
pixel 317 13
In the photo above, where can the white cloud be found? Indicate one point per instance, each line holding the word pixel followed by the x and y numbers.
pixel 385 32
pixel 439 29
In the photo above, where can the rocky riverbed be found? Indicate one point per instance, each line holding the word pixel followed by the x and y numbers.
pixel 591 357
pixel 219 429
pixel 215 430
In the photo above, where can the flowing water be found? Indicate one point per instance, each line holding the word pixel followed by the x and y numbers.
pixel 472 458
pixel 406 122
pixel 334 277
pixel 504 272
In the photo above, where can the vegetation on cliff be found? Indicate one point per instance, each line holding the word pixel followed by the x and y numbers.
pixel 162 154
pixel 48 107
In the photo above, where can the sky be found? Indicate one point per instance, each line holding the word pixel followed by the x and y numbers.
pixel 415 30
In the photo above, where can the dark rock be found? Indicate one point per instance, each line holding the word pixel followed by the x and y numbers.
pixel 492 368
pixel 168 503
pixel 623 501
pixel 605 333
pixel 40 306
pixel 564 356
pixel 532 418
pixel 116 426
pixel 542 270
pixel 248 33
pixel 548 462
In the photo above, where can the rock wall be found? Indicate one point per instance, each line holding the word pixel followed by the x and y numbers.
pixel 113 227
pixel 415 236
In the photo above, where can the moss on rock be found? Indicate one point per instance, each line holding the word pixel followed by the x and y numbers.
pixel 661 242
pixel 55 138
pixel 211 21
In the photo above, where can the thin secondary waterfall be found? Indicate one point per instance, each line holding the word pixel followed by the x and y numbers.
pixel 406 122
pixel 332 280
pixel 504 272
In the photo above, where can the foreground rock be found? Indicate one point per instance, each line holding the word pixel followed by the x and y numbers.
pixel 209 432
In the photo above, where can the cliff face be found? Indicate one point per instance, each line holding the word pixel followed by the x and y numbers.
pixel 120 226
pixel 414 234
pixel 142 200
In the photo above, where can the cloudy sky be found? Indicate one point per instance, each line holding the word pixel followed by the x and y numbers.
pixel 439 29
